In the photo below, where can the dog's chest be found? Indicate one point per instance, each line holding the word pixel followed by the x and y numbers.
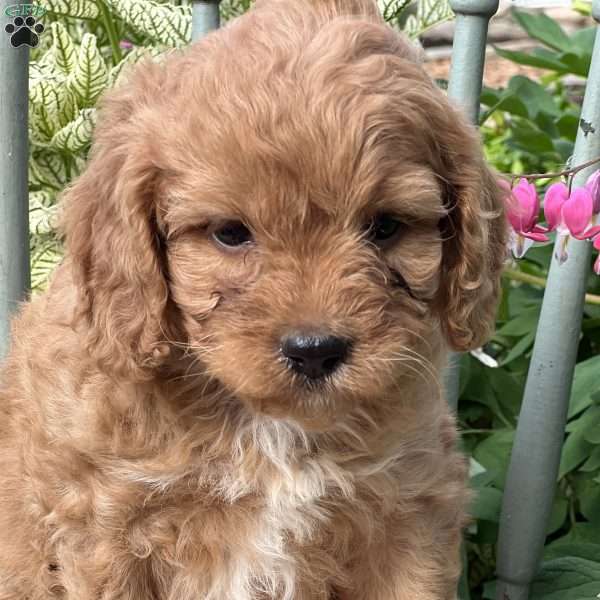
pixel 245 543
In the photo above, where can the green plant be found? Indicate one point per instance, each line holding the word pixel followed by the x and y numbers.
pixel 530 127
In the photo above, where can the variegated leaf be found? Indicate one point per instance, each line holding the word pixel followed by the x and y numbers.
pixel 393 10
pixel 78 165
pixel 47 169
pixel 77 135
pixel 43 81
pixel 131 58
pixel 52 107
pixel 41 125
pixel 429 14
pixel 42 212
pixel 165 23
pixel 234 8
pixel 63 48
pixel 45 257
pixel 80 9
pixel 90 75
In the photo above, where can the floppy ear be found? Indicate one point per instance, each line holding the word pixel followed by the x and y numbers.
pixel 111 232
pixel 475 233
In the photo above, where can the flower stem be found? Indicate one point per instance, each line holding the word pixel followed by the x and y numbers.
pixel 570 171
pixel 111 31
pixel 541 282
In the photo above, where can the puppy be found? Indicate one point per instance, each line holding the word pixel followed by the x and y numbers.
pixel 231 389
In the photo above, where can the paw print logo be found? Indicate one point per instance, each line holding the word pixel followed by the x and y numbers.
pixel 24 31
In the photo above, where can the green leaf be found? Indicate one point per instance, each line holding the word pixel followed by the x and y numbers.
pixel 63 48
pixel 234 8
pixel 165 23
pixel 47 169
pixel 494 453
pixel 520 348
pixel 580 534
pixel 486 504
pixel 567 125
pixel 44 259
pixel 77 135
pixel 489 590
pixel 42 212
pixel 508 388
pixel 589 503
pixel 592 434
pixel 133 57
pixel 575 450
pixel 586 422
pixel 534 59
pixel 578 65
pixel 80 9
pixel 533 95
pixel 577 546
pixel 90 76
pixel 523 323
pixel 428 14
pixel 560 508
pixel 465 372
pixel 583 41
pixel 52 107
pixel 567 578
pixel 507 101
pixel 529 138
pixel 585 383
pixel 593 462
pixel 543 28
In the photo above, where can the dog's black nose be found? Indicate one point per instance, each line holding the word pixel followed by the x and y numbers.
pixel 314 356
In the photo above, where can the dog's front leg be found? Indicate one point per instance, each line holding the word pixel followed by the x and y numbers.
pixel 415 578
pixel 417 557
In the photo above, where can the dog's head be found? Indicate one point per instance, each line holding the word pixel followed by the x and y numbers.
pixel 294 200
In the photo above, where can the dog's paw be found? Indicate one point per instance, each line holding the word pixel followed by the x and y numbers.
pixel 24 31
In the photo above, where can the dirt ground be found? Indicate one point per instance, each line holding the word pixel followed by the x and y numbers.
pixel 497 73
pixel 503 32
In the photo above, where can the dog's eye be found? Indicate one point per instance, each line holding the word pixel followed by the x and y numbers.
pixel 383 228
pixel 232 234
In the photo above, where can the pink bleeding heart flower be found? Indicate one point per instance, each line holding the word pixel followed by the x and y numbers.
pixel 597 262
pixel 593 186
pixel 554 199
pixel 570 215
pixel 523 207
pixel 577 214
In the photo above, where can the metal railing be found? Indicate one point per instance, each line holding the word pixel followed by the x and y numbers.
pixel 532 475
pixel 14 217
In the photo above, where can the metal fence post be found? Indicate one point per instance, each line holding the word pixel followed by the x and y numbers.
pixel 464 87
pixel 205 17
pixel 531 482
pixel 14 198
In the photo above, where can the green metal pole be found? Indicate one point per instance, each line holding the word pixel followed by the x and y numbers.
pixel 205 17
pixel 464 87
pixel 14 214
pixel 468 52
pixel 531 481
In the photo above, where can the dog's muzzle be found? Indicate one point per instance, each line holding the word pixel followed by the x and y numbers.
pixel 314 355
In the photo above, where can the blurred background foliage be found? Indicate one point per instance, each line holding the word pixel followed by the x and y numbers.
pixel 528 126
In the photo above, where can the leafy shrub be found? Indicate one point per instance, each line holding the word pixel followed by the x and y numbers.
pixel 531 127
